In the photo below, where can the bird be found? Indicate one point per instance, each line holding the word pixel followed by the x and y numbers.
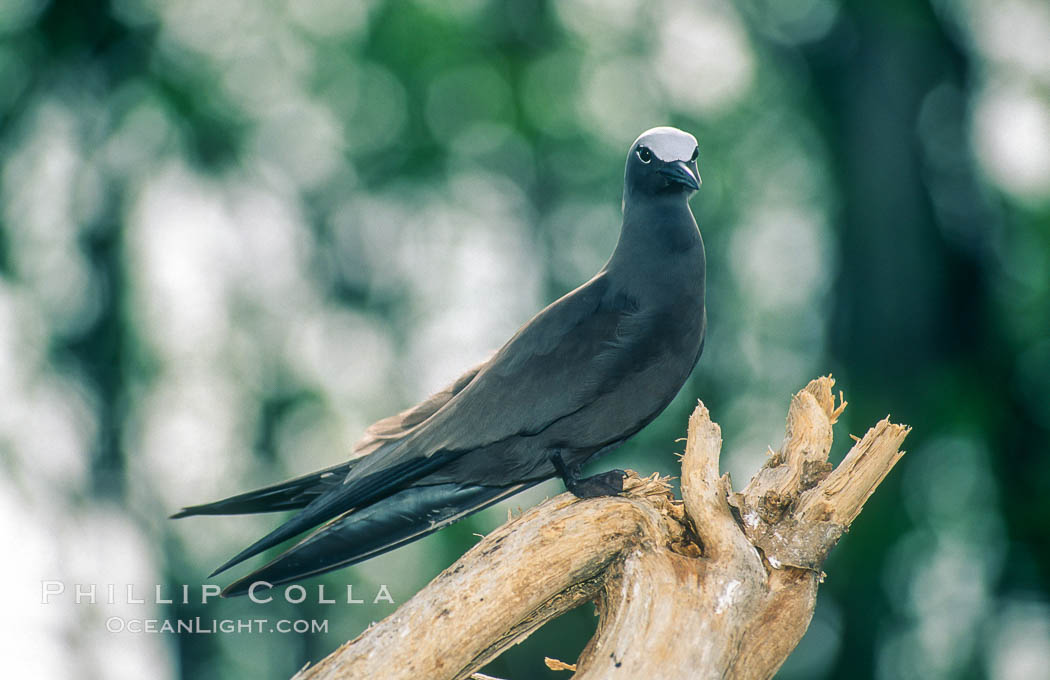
pixel 582 376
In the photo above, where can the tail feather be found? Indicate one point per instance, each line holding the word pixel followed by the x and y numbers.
pixel 320 510
pixel 290 495
pixel 340 498
pixel 398 519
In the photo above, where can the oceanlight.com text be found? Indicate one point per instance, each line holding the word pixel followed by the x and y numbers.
pixel 204 626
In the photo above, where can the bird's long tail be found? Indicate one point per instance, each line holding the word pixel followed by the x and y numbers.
pixel 291 495
pixel 368 531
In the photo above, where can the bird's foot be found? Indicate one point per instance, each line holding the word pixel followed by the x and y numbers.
pixel 602 484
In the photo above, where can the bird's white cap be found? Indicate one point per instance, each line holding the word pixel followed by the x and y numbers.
pixel 668 143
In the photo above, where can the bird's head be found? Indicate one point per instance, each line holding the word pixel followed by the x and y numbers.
pixel 662 161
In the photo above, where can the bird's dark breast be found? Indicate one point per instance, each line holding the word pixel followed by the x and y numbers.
pixel 650 379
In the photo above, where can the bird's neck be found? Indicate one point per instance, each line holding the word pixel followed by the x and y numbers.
pixel 656 231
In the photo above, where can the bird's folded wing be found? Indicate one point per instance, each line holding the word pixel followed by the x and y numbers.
pixel 568 354
pixel 574 350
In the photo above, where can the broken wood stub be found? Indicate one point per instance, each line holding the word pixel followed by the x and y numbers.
pixel 720 584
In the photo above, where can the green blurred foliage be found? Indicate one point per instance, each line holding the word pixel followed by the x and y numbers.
pixel 233 234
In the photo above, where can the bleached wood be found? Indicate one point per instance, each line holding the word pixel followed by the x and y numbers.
pixel 717 585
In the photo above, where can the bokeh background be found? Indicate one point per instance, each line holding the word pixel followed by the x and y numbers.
pixel 234 233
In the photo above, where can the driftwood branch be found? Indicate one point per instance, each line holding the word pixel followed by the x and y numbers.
pixel 717 585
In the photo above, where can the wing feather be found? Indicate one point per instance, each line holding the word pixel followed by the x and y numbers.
pixel 555 365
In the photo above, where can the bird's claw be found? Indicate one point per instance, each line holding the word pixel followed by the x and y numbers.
pixel 602 484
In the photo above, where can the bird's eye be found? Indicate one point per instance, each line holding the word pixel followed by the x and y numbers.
pixel 644 154
pixel 696 152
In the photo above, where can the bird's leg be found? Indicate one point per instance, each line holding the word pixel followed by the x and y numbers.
pixel 602 484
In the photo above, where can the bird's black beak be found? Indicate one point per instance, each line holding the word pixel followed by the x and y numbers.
pixel 679 172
